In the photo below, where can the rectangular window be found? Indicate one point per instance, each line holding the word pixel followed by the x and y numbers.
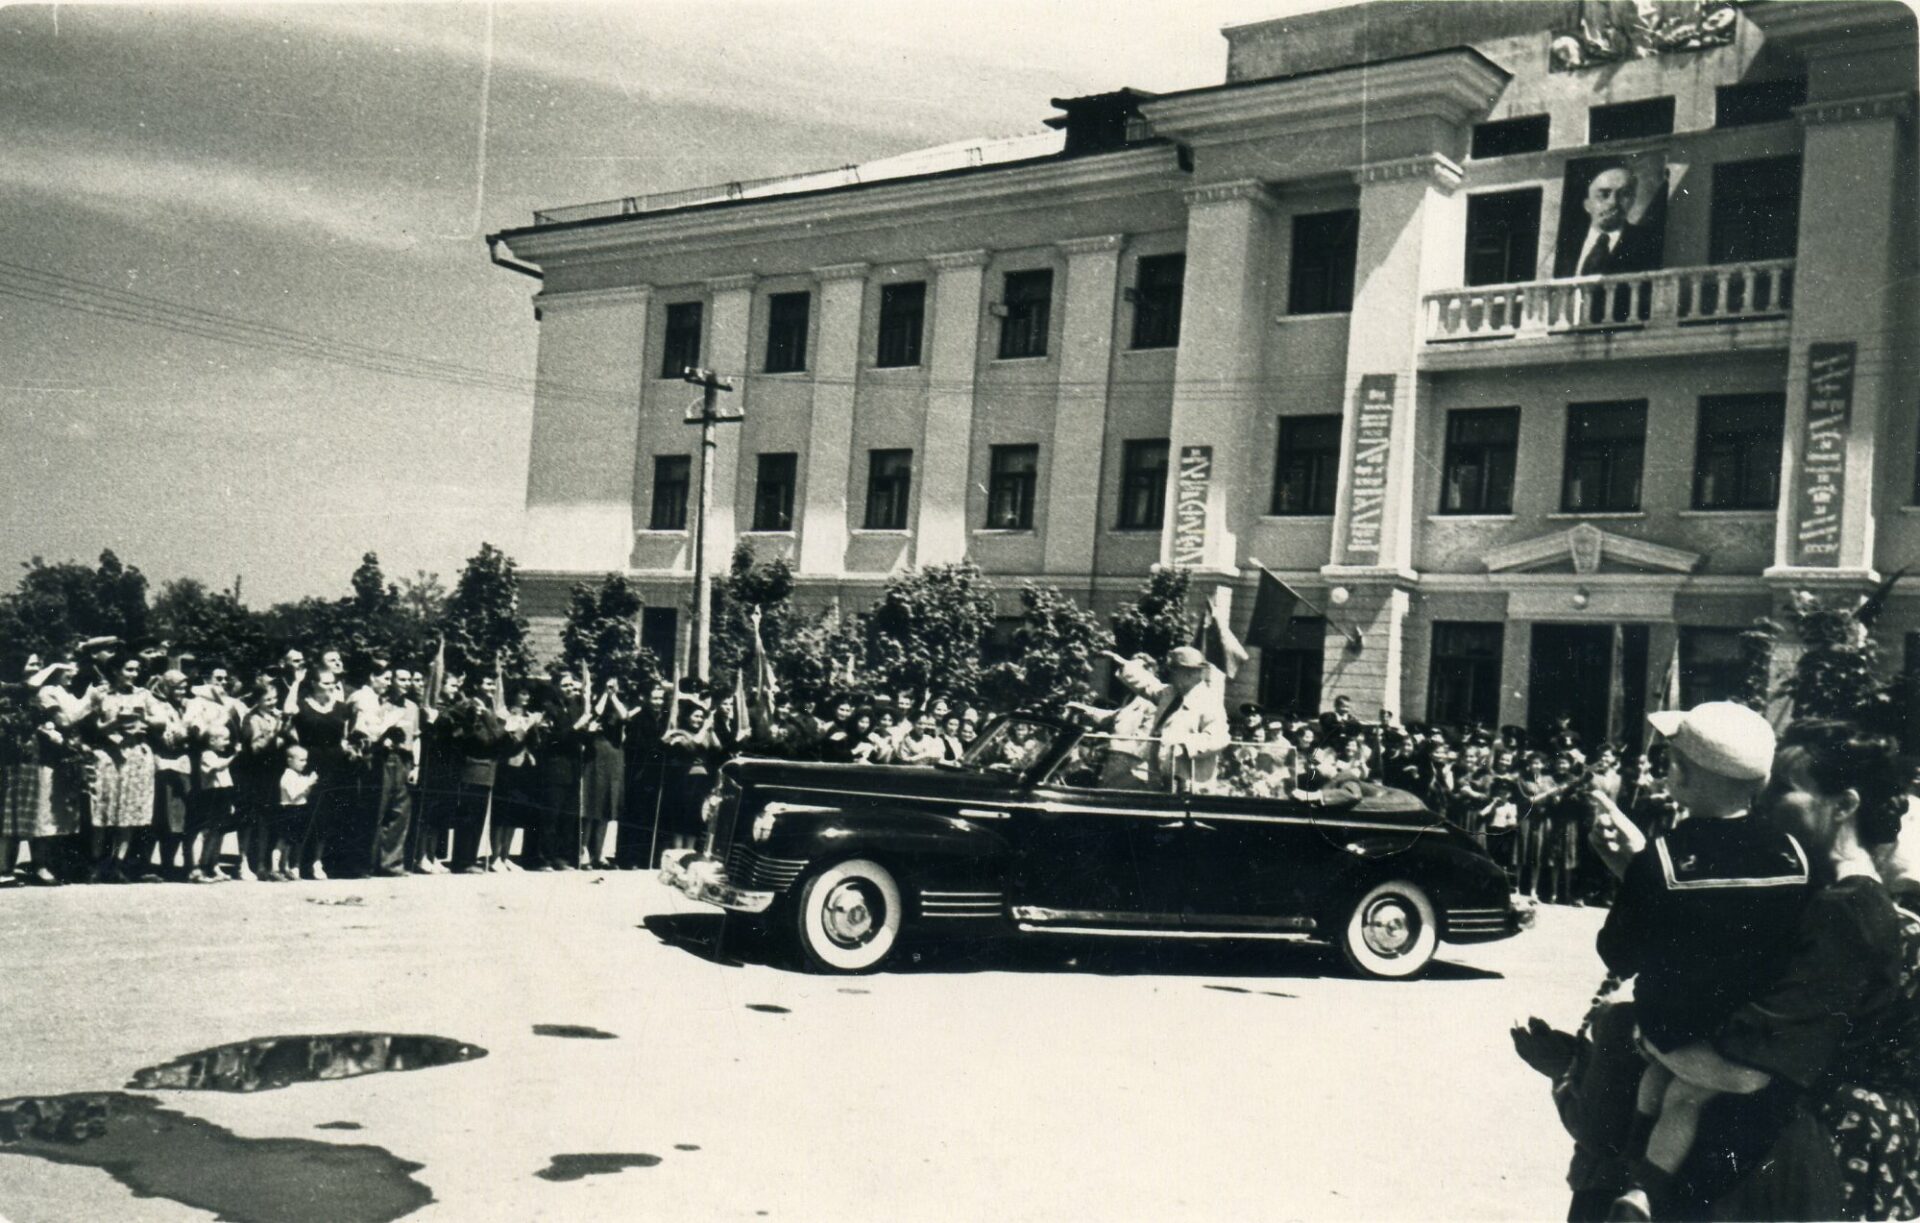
pixel 1305 470
pixel 1156 301
pixel 1630 120
pixel 1606 448
pixel 660 636
pixel 1010 487
pixel 1463 676
pixel 903 311
pixel 1481 447
pixel 1712 665
pixel 1758 101
pixel 681 351
pixel 1320 278
pixel 1736 463
pixel 1756 210
pixel 671 475
pixel 773 492
pixel 889 481
pixel 1503 237
pixel 1505 137
pixel 1143 484
pixel 1290 673
pixel 1026 313
pixel 787 332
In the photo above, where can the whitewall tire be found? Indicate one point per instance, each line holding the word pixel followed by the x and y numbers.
pixel 849 917
pixel 1392 931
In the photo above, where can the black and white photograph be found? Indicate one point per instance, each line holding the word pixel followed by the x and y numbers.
pixel 831 610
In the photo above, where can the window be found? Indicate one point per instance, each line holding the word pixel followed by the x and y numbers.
pixel 1606 446
pixel 787 332
pixel 660 636
pixel 773 492
pixel 1143 484
pixel 1503 237
pixel 1290 673
pixel 1026 313
pixel 1463 677
pixel 903 311
pixel 1325 245
pixel 889 481
pixel 681 351
pixel 1713 665
pixel 1630 120
pixel 1736 463
pixel 1478 475
pixel 1304 471
pixel 1505 137
pixel 1010 487
pixel 671 474
pixel 1756 210
pixel 1758 101
pixel 1156 301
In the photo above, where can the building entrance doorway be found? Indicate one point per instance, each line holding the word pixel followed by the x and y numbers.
pixel 1595 675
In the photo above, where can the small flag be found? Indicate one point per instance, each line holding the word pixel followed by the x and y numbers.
pixel 1871 606
pixel 1273 607
pixel 1217 642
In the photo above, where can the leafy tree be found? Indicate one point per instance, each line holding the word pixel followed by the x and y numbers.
pixel 809 660
pixel 926 631
pixel 58 604
pixel 211 625
pixel 482 621
pixel 1054 649
pixel 1838 673
pixel 423 596
pixel 767 585
pixel 1157 620
pixel 1756 664
pixel 603 631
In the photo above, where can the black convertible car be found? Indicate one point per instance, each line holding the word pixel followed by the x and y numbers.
pixel 1022 837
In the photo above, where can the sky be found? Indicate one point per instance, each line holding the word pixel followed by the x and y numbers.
pixel 248 327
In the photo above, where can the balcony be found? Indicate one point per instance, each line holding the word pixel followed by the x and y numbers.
pixel 1672 312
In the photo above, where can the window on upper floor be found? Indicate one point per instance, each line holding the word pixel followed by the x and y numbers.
pixel 1320 277
pixel 1306 466
pixel 1013 473
pixel 1713 664
pixel 1503 237
pixel 1506 137
pixel 903 312
pixel 1736 464
pixel 787 332
pixel 1758 101
pixel 1606 451
pixel 1143 484
pixel 1630 120
pixel 680 351
pixel 1156 300
pixel 1756 210
pixel 1463 673
pixel 773 487
pixel 889 485
pixel 1026 313
pixel 1477 475
pixel 671 474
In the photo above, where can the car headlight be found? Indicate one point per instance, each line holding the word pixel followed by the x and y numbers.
pixel 710 806
pixel 762 827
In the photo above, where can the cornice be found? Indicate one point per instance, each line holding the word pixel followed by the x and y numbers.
pixel 1856 110
pixel 620 295
pixel 1093 245
pixel 1437 168
pixel 1455 86
pixel 842 271
pixel 1221 193
pixel 730 284
pixel 954 260
pixel 1829 25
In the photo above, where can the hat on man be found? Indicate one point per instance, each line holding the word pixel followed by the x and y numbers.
pixel 1186 658
pixel 1721 737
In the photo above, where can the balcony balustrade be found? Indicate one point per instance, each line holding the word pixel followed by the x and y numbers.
pixel 1638 301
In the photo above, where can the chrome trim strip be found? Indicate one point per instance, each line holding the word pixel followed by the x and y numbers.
pixel 951 916
pixel 1276 937
pixel 931 892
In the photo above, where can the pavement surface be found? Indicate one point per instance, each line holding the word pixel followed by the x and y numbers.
pixel 1044 1080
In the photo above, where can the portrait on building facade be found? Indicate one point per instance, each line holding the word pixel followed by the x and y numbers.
pixel 1613 215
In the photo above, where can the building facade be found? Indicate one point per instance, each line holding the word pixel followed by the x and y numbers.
pixel 1358 315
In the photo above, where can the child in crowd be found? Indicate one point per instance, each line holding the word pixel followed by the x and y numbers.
pixel 212 806
pixel 296 788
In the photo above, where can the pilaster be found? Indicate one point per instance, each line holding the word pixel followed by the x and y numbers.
pixel 1086 365
pixel 824 520
pixel 941 468
pixel 732 311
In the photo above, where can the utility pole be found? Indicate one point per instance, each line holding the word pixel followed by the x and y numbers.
pixel 706 417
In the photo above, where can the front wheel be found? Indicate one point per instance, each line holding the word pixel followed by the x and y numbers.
pixel 849 916
pixel 1393 931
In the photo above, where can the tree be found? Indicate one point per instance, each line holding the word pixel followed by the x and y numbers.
pixel 767 585
pixel 1838 673
pixel 808 662
pixel 211 625
pixel 58 604
pixel 423 596
pixel 482 621
pixel 603 632
pixel 1054 649
pixel 925 633
pixel 1157 620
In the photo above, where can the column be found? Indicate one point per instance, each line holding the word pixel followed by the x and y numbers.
pixel 1080 412
pixel 836 365
pixel 586 407
pixel 1848 344
pixel 941 467
pixel 727 356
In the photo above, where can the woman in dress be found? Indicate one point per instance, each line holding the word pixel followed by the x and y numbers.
pixel 119 721
pixel 516 799
pixel 603 773
pixel 37 808
pixel 320 721
pixel 172 774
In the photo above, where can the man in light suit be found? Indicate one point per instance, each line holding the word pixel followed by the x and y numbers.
pixel 1190 721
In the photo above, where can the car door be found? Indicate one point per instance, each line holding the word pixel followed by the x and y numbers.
pixel 1100 858
pixel 1258 864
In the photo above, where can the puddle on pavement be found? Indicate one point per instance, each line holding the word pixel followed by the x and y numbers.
pixel 280 1061
pixel 685 1146
pixel 768 1008
pixel 575 1167
pixel 572 1031
pixel 1230 989
pixel 157 1152
pixel 339 1125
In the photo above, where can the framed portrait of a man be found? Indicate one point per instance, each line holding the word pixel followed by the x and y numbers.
pixel 1613 216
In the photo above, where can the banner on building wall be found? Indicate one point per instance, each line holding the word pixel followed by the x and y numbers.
pixel 1367 485
pixel 1823 456
pixel 1190 506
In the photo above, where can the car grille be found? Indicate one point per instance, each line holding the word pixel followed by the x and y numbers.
pixel 747 869
pixel 1476 921
pixel 962 904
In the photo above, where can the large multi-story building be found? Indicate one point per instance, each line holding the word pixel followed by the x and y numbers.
pixel 1366 314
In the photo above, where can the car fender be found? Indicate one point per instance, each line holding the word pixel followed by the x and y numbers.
pixel 922 848
pixel 1453 874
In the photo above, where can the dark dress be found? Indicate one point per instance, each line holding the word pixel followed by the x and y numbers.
pixel 331 807
pixel 603 782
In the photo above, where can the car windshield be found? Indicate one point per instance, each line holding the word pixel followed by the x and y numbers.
pixel 1012 745
pixel 1241 769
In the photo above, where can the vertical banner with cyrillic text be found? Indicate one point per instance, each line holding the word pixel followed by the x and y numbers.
pixel 1367 486
pixel 1190 506
pixel 1823 456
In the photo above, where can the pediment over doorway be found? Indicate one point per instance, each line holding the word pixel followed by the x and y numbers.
pixel 1585 549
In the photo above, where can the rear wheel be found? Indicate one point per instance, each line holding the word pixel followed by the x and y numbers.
pixel 848 917
pixel 1392 932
